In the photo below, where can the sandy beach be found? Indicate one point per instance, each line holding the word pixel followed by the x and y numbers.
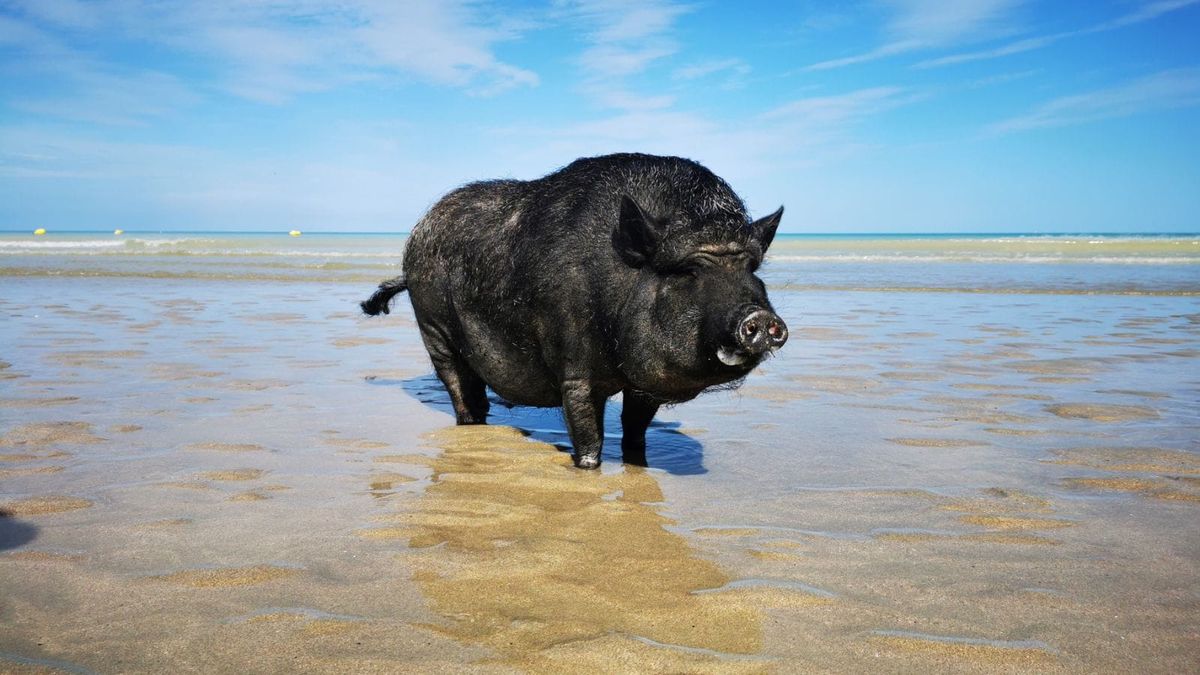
pixel 209 462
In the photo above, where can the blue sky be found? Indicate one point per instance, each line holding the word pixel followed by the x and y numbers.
pixel 877 116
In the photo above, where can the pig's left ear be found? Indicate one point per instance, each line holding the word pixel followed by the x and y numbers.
pixel 637 235
pixel 764 229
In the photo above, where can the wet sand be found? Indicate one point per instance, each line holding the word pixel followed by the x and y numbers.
pixel 244 476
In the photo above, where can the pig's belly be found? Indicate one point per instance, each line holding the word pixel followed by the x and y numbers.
pixel 512 368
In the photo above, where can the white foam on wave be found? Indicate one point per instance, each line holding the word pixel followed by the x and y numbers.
pixel 1015 258
pixel 54 245
pixel 187 247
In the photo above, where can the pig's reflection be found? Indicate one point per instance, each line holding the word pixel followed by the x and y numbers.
pixel 539 561
pixel 666 448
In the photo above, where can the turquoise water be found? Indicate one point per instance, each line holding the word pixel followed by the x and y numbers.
pixel 1006 263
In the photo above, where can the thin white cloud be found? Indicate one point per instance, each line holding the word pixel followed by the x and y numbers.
pixel 884 51
pixel 66 13
pixel 707 68
pixel 918 25
pixel 114 99
pixel 804 132
pixel 1147 12
pixel 1166 90
pixel 937 22
pixel 274 51
pixel 624 38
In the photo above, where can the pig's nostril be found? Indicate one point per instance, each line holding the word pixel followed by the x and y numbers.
pixel 759 331
pixel 777 333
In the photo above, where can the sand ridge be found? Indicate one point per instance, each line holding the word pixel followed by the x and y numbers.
pixel 527 554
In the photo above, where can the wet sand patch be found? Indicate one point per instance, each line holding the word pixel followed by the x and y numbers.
pixel 1015 522
pixel 625 653
pixel 826 333
pixel 185 485
pixel 38 506
pixel 1000 500
pixel 419 460
pixel 1166 489
pixel 1067 366
pixel 94 358
pixel 961 652
pixel 257 385
pixel 225 577
pixel 43 557
pixel 227 447
pixel 125 428
pixel 1015 432
pixel 388 481
pixel 257 408
pixel 1135 392
pixel 168 522
pixel 911 375
pixel 938 442
pixel 1130 459
pixel 19 457
pixel 1001 537
pixel 249 496
pixel 183 371
pixel 836 384
pixel 1102 412
pixel 774 394
pixel 357 443
pixel 37 402
pixel 41 434
pixel 359 341
pixel 773 556
pixel 727 531
pixel 277 317
pixel 1060 379
pixel 30 471
pixel 233 475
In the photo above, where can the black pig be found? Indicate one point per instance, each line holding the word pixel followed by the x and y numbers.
pixel 625 273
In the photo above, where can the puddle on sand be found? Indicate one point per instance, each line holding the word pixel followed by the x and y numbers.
pixel 526 555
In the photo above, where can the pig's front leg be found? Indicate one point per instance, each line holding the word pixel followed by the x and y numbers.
pixel 637 411
pixel 584 410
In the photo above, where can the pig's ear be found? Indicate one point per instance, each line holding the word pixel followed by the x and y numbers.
pixel 637 234
pixel 764 229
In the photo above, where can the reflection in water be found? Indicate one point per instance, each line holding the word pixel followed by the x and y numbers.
pixel 666 447
pixel 542 562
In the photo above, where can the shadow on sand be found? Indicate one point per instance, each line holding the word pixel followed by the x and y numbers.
pixel 14 533
pixel 666 448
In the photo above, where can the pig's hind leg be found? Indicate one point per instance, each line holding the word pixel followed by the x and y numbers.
pixel 468 393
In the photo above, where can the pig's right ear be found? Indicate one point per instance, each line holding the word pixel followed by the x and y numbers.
pixel 637 235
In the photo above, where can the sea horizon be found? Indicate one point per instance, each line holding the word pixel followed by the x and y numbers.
pixel 815 234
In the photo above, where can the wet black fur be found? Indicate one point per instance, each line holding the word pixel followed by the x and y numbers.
pixel 621 273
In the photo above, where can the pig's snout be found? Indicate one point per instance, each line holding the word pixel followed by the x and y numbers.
pixel 761 331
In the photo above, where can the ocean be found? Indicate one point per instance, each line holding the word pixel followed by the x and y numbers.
pixel 976 453
pixel 1155 264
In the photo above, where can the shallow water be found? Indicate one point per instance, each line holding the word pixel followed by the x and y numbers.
pixel 208 474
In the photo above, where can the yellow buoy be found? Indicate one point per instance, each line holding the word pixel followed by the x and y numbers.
pixel 294 233
pixel 118 232
pixel 40 230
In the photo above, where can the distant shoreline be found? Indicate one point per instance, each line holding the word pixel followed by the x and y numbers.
pixel 789 235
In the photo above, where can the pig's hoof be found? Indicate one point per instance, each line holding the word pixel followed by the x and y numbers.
pixel 587 461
